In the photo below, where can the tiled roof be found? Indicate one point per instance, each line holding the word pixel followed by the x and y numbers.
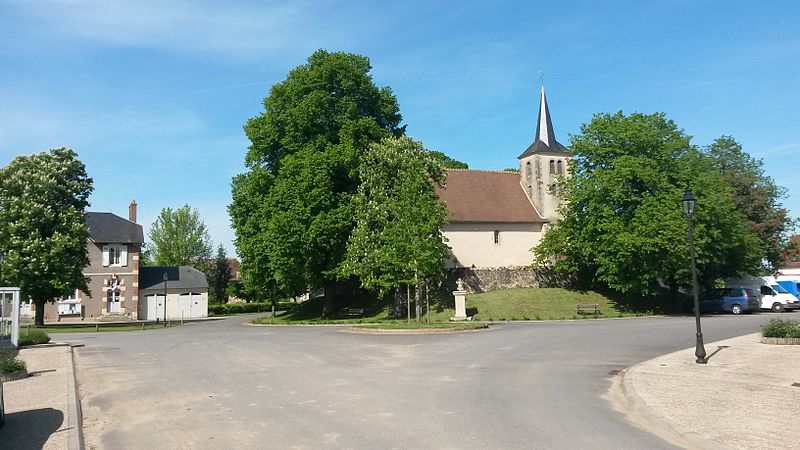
pixel 178 277
pixel 108 227
pixel 486 196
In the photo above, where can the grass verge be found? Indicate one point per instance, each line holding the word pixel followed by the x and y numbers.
pixel 499 305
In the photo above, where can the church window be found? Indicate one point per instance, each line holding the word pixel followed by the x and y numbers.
pixel 560 169
pixel 496 236
pixel 528 169
pixel 552 167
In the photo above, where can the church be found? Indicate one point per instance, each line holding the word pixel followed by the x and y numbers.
pixel 496 217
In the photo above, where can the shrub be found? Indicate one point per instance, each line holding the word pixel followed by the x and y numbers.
pixel 33 337
pixel 8 363
pixel 781 329
pixel 244 308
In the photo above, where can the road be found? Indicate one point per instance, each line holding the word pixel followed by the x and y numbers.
pixel 518 385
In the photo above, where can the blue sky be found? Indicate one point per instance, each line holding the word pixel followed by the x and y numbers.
pixel 153 95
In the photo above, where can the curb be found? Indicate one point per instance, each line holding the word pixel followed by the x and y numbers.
pixel 651 421
pixel 365 330
pixel 74 413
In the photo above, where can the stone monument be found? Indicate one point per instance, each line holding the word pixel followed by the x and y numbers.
pixel 460 295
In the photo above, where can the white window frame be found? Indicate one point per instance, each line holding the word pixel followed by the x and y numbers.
pixel 115 255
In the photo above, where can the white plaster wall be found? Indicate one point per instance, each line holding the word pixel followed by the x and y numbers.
pixel 536 179
pixel 473 243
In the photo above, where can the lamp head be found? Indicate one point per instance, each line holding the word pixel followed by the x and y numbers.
pixel 688 203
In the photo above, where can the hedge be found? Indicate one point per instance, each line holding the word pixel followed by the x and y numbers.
pixel 243 308
pixel 781 329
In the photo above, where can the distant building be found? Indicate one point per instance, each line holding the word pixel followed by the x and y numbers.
pixel 495 217
pixel 186 293
pixel 115 278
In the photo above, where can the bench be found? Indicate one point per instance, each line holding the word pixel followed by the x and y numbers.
pixel 353 312
pixel 584 309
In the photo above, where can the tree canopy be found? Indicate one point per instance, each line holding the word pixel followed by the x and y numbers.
pixel 397 238
pixel 179 238
pixel 220 276
pixel 755 194
pixel 303 162
pixel 622 224
pixel 447 162
pixel 43 232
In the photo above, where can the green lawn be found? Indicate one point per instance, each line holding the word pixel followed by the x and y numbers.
pixel 505 304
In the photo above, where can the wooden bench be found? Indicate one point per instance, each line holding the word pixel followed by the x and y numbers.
pixel 584 309
pixel 353 312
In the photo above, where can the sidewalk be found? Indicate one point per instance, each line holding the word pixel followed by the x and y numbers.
pixel 42 409
pixel 743 398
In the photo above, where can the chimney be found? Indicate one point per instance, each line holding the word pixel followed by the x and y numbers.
pixel 132 211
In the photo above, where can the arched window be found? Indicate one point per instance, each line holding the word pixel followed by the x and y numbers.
pixel 552 166
pixel 560 169
pixel 528 169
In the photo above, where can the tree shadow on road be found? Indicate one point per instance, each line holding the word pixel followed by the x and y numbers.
pixel 30 429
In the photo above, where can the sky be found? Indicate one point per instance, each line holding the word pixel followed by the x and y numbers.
pixel 152 95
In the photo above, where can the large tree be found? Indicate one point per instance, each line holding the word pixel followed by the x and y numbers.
pixel 305 150
pixel 43 232
pixel 756 195
pixel 220 276
pixel 397 239
pixel 179 238
pixel 622 225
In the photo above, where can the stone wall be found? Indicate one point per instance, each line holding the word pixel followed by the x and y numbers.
pixel 490 279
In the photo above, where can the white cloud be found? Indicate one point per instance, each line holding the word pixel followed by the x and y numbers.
pixel 234 30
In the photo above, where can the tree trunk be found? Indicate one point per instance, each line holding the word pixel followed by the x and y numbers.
pixel 417 304
pixel 398 303
pixel 327 306
pixel 39 319
pixel 408 303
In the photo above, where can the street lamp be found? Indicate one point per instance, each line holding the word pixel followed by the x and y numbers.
pixel 165 299
pixel 688 209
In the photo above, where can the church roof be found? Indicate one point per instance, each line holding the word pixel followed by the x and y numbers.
pixel 486 196
pixel 545 141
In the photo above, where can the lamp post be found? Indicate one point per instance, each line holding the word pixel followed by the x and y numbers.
pixel 165 298
pixel 688 209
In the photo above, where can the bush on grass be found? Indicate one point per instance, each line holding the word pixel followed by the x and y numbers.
pixel 33 337
pixel 779 328
pixel 8 362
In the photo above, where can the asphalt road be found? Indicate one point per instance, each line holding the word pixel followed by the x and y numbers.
pixel 519 385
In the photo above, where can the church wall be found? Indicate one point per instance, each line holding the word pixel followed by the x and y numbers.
pixel 474 244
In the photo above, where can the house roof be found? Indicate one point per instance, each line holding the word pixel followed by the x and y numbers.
pixel 545 140
pixel 108 227
pixel 178 277
pixel 486 196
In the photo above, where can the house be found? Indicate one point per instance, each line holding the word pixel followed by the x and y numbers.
pixel 186 290
pixel 116 280
pixel 114 247
pixel 496 217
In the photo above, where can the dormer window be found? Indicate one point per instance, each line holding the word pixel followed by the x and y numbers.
pixel 115 255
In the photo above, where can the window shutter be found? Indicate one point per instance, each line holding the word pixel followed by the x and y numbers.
pixel 123 257
pixel 105 255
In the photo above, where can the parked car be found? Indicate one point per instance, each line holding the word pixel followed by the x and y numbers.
pixel 730 299
pixel 773 295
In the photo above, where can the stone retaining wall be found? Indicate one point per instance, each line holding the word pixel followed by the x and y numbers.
pixel 780 341
pixel 490 279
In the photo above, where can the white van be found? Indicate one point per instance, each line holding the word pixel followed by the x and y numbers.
pixel 773 296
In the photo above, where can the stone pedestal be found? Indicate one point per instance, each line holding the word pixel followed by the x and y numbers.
pixel 461 305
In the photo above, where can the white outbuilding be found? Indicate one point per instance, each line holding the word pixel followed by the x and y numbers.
pixel 184 288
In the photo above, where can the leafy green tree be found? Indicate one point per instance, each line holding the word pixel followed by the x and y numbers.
pixel 397 239
pixel 622 224
pixel 756 195
pixel 448 162
pixel 179 238
pixel 43 232
pixel 220 276
pixel 303 158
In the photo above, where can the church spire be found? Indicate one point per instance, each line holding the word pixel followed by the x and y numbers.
pixel 545 140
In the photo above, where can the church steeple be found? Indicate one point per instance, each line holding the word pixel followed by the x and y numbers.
pixel 545 140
